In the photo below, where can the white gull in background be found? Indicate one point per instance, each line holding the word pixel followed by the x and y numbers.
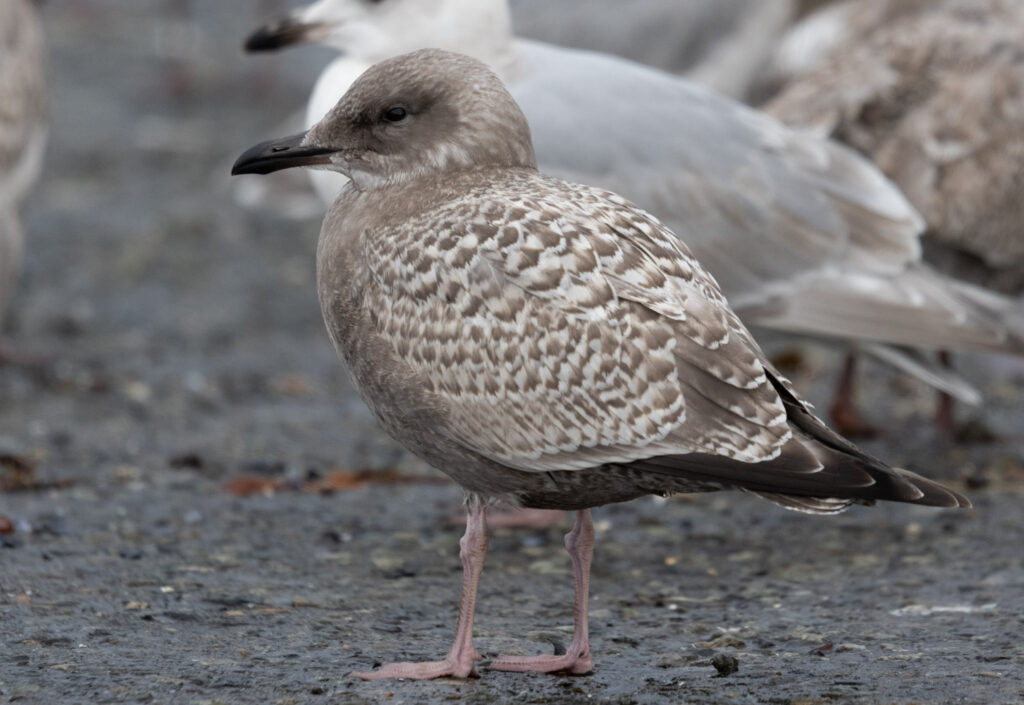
pixel 720 43
pixel 802 234
pixel 22 127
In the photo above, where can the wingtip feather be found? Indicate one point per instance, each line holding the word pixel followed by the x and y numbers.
pixel 932 493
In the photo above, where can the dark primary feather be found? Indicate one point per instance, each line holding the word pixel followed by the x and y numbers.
pixel 835 470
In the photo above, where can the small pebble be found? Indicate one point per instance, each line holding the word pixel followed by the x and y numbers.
pixel 725 664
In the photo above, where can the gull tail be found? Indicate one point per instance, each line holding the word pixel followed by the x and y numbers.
pixel 816 471
pixel 920 308
pixel 931 493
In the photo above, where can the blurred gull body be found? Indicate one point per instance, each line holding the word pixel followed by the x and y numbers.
pixel 544 343
pixel 933 92
pixel 802 234
pixel 22 128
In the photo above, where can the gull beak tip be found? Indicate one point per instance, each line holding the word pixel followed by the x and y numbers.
pixel 278 35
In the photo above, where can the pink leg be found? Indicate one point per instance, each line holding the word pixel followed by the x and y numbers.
pixel 844 412
pixel 944 417
pixel 460 660
pixel 580 544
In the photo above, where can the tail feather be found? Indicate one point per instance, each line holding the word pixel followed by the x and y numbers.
pixel 934 494
pixel 921 309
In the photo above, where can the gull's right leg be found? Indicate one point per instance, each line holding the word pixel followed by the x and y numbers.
pixel 460 661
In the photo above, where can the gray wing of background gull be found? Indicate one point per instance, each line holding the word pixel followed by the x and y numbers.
pixel 801 233
pixel 933 92
pixel 22 126
pixel 720 43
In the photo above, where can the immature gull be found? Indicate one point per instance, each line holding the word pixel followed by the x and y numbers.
pixel 933 92
pixel 802 234
pixel 545 344
pixel 22 127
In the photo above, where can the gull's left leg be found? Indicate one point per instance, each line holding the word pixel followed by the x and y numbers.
pixel 580 544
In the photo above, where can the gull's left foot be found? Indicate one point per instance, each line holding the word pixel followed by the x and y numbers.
pixel 571 662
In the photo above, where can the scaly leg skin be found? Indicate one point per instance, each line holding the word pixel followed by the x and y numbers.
pixel 580 544
pixel 844 412
pixel 460 661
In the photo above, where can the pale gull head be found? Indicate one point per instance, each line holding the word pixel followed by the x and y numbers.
pixel 422 113
pixel 376 29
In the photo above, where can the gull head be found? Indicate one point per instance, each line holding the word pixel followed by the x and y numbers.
pixel 417 115
pixel 371 30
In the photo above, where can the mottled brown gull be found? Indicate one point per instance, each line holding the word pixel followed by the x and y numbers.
pixel 22 127
pixel 802 234
pixel 544 343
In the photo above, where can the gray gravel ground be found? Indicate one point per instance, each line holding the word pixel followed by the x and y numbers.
pixel 171 343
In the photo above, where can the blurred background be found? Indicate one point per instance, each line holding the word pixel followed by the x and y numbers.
pixel 164 338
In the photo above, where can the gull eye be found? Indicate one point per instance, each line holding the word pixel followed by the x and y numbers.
pixel 395 114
